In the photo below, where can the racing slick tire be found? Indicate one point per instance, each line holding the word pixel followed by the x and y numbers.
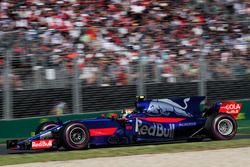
pixel 221 126
pixel 75 136
pixel 45 126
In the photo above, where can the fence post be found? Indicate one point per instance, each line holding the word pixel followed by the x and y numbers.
pixel 203 73
pixel 7 91
pixel 157 73
pixel 140 83
pixel 129 74
pixel 77 92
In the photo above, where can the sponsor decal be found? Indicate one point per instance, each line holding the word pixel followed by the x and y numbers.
pixel 155 129
pixel 187 124
pixel 166 107
pixel 231 108
pixel 42 144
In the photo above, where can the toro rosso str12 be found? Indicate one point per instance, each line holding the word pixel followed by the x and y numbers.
pixel 150 121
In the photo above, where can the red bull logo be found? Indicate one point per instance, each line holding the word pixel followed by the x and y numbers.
pixel 155 129
pixel 41 144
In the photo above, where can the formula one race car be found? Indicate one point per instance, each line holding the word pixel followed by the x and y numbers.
pixel 150 121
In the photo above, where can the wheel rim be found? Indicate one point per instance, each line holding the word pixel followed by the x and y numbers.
pixel 225 127
pixel 77 135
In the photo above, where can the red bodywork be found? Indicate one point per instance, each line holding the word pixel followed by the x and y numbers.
pixel 231 107
pixel 102 131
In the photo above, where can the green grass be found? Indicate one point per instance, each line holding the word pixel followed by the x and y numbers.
pixel 121 151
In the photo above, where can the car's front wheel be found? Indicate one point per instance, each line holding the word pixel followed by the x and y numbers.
pixel 75 136
pixel 221 126
pixel 45 126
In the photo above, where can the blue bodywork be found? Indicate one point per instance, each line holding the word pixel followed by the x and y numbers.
pixel 151 120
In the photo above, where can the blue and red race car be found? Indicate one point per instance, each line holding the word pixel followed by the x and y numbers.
pixel 150 121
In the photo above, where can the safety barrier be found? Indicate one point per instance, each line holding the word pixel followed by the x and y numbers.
pixel 23 128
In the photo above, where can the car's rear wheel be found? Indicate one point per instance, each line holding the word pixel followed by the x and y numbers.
pixel 45 126
pixel 75 136
pixel 221 126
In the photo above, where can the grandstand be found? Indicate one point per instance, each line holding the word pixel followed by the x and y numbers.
pixel 96 43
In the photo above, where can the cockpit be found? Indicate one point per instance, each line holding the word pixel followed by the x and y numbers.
pixel 140 106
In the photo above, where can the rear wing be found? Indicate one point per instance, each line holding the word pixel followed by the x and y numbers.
pixel 230 107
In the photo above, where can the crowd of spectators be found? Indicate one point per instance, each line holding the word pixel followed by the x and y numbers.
pixel 109 38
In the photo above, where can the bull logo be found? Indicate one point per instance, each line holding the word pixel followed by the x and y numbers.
pixel 166 106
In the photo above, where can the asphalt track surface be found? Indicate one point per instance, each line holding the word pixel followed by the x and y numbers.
pixel 4 151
